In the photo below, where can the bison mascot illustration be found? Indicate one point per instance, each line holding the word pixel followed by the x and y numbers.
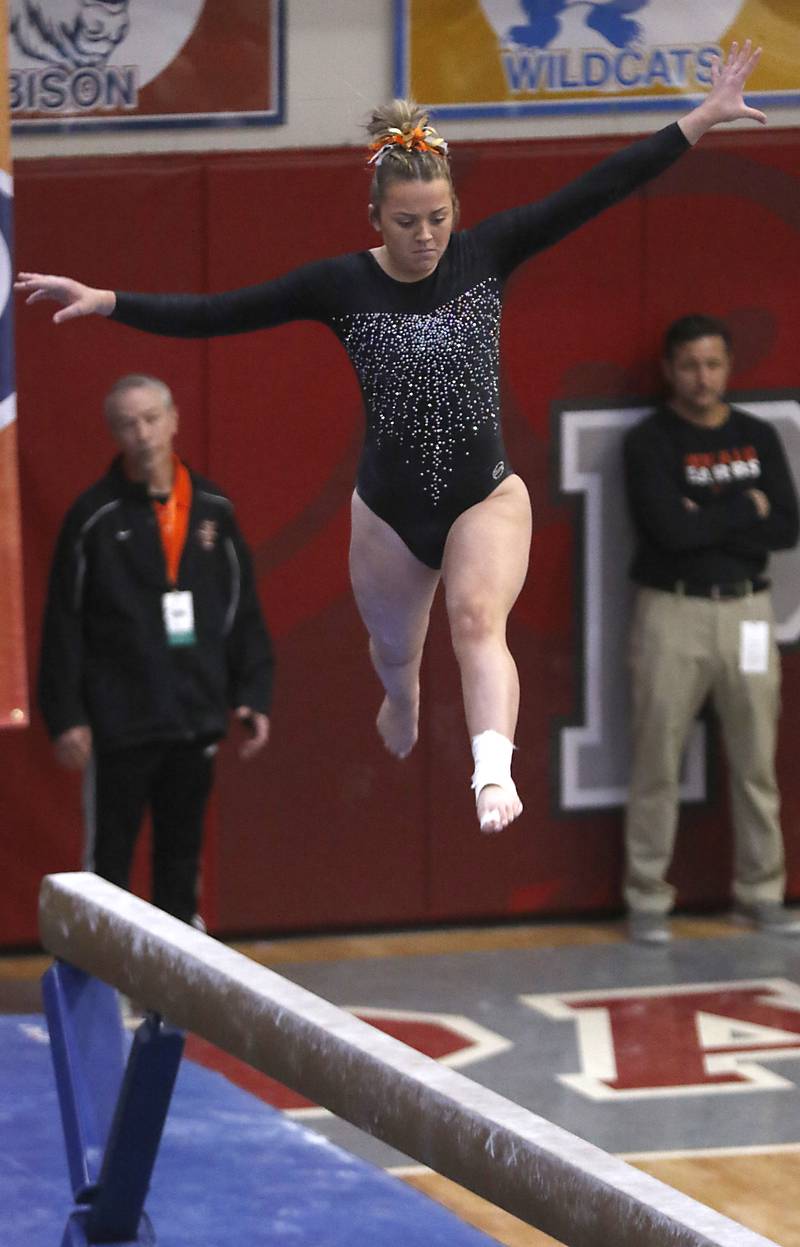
pixel 69 33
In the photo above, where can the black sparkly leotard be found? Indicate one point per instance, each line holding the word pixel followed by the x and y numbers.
pixel 426 352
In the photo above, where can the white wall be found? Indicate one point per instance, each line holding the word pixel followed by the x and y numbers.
pixel 338 62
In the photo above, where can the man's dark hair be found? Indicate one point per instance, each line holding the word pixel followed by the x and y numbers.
pixel 690 328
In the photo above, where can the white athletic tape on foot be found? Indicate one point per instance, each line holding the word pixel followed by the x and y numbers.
pixel 492 753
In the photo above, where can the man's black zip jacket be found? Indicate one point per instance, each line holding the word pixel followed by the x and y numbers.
pixel 670 462
pixel 105 660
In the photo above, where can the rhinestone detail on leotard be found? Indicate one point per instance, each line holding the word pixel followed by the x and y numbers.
pixel 429 379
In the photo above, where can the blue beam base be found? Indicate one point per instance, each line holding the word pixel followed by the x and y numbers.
pixel 112 1112
pixel 76 1233
pixel 135 1134
pixel 88 1047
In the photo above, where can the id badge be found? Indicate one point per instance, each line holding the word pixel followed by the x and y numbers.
pixel 754 647
pixel 178 609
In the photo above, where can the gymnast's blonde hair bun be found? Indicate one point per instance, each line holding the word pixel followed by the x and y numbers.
pixel 405 147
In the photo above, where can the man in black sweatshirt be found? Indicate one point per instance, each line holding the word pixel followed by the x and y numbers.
pixel 153 635
pixel 710 494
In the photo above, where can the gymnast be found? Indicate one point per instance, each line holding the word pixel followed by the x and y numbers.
pixel 419 317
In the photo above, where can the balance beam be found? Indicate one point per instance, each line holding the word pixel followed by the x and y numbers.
pixel 517 1160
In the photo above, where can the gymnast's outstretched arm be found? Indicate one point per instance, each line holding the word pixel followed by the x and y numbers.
pixel 516 234
pixel 301 294
pixel 304 293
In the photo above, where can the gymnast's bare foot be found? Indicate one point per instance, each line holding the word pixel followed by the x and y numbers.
pixel 397 724
pixel 497 807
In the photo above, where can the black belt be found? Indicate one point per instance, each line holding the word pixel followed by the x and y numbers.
pixel 718 592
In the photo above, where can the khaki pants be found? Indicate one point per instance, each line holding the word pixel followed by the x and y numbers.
pixel 682 650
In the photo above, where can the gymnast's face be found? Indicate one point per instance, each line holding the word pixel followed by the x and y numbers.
pixel 416 221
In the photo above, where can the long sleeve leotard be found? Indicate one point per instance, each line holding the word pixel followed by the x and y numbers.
pixel 426 353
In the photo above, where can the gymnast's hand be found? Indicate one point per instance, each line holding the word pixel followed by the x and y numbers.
pixel 725 101
pixel 77 299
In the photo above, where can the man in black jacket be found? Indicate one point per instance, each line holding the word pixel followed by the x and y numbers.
pixel 152 634
pixel 710 494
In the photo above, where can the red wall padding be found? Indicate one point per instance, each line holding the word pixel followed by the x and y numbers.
pixel 327 830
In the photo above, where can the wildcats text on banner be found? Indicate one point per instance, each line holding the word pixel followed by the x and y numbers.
pixel 506 57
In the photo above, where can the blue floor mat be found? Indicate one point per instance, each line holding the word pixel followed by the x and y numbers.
pixel 230 1170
